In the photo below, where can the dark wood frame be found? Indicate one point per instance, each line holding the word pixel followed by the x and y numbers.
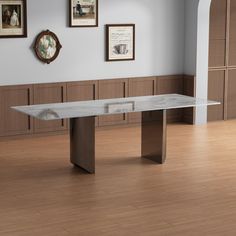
pixel 70 16
pixel 24 35
pixel 59 46
pixel 108 26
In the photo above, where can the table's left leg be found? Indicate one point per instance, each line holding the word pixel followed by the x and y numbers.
pixel 82 143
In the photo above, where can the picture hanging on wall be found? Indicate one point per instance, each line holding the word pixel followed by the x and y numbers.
pixel 13 20
pixel 47 46
pixel 120 42
pixel 83 13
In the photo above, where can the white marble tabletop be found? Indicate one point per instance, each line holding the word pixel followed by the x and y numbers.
pixel 57 111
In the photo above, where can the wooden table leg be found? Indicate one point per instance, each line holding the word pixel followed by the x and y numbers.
pixel 82 143
pixel 153 143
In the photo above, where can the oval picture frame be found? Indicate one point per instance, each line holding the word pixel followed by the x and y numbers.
pixel 47 46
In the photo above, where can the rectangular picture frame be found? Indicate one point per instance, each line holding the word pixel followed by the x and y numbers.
pixel 13 18
pixel 83 13
pixel 120 42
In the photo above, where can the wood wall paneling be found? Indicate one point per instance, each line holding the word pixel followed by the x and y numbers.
pixel 217 50
pixel 218 19
pixel 140 87
pixel 113 89
pixel 12 122
pixel 232 34
pixel 49 93
pixel 189 89
pixel 216 83
pixel 168 85
pixel 231 95
pixel 219 57
pixel 82 91
pixel 218 25
pixel 2 112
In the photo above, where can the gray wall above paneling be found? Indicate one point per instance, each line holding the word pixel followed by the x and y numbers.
pixel 159 43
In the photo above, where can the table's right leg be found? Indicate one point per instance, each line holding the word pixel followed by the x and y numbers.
pixel 82 143
pixel 153 142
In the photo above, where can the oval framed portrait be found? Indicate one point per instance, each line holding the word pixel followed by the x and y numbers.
pixel 47 46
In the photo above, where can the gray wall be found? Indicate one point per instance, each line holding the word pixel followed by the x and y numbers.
pixel 159 43
pixel 191 21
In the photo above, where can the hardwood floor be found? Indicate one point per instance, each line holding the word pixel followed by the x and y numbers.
pixel 193 193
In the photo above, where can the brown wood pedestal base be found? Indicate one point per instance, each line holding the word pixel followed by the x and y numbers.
pixel 153 143
pixel 82 139
pixel 82 143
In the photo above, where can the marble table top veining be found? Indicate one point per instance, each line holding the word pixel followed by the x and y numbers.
pixel 57 111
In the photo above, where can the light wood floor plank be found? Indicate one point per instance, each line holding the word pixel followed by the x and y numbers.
pixel 193 193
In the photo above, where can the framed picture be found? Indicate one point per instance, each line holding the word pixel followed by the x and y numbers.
pixel 83 13
pixel 13 20
pixel 120 42
pixel 47 46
